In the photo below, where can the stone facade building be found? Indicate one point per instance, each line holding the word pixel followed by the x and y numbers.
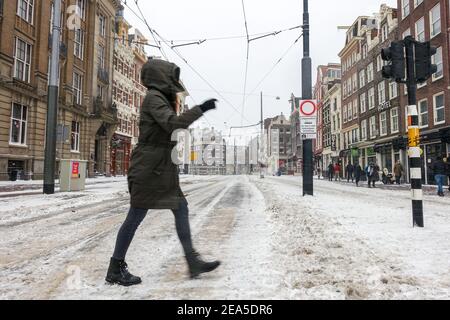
pixel 85 107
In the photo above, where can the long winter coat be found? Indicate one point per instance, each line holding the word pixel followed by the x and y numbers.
pixel 358 172
pixel 153 179
pixel 398 170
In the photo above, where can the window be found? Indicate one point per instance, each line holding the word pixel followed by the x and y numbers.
pixel 420 30
pixel 75 139
pixel 25 10
pixel 345 89
pixel 405 8
pixel 81 7
pixel 394 120
pixel 22 60
pixel 383 124
pixel 417 3
pixel 435 20
pixel 101 57
pixel 79 43
pixel 344 114
pixel 439 109
pixel 371 96
pixel 18 133
pixel 384 32
pixel 355 108
pixel 437 60
pixel 350 112
pixel 379 63
pixel 406 33
pixel 423 113
pixel 393 90
pixel 362 78
pixel 381 92
pixel 77 88
pixel 364 130
pixel 373 127
pixel 370 73
pixel 355 82
pixel 102 25
pixel 363 102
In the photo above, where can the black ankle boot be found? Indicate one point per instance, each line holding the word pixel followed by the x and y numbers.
pixel 118 274
pixel 197 266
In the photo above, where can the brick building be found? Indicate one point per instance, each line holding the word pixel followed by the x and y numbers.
pixel 378 137
pixel 429 21
pixel 85 107
pixel 326 78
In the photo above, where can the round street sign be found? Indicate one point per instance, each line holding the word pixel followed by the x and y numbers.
pixel 308 108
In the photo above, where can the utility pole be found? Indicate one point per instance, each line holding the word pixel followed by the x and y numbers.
pixel 52 106
pixel 261 175
pixel 308 183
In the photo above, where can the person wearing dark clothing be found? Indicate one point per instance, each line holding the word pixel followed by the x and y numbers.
pixel 153 180
pixel 358 174
pixel 398 172
pixel 373 174
pixel 440 174
pixel 330 172
pixel 350 170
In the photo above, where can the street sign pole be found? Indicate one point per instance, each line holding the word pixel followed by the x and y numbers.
pixel 308 161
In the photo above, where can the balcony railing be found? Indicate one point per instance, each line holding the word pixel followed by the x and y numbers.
pixel 62 46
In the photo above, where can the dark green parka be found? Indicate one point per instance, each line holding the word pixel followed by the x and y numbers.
pixel 153 179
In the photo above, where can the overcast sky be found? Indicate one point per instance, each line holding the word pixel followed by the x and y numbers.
pixel 222 62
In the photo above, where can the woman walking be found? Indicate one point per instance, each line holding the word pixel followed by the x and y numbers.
pixel 153 180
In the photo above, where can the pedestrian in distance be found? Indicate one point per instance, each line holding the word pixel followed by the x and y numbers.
pixel 319 171
pixel 358 173
pixel 373 174
pixel 330 172
pixel 440 172
pixel 153 180
pixel 398 172
pixel 337 171
pixel 447 162
pixel 350 171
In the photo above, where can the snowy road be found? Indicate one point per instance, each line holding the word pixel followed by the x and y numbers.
pixel 345 243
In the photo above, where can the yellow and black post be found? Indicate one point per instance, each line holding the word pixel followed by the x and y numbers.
pixel 414 150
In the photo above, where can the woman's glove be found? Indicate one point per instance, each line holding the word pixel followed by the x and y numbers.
pixel 208 105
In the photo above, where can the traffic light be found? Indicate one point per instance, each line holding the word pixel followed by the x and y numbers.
pixel 395 54
pixel 424 67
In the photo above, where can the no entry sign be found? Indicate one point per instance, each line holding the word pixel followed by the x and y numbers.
pixel 308 119
pixel 308 108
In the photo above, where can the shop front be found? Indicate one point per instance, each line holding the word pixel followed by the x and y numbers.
pixel 120 155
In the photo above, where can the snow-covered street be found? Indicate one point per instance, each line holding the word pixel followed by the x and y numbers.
pixel 344 243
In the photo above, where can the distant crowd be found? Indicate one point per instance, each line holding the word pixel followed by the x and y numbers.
pixel 372 173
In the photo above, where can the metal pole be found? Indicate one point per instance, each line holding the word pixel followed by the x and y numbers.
pixel 52 109
pixel 308 183
pixel 261 174
pixel 414 152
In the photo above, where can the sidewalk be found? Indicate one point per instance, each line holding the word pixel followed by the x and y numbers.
pixel 428 189
pixel 35 185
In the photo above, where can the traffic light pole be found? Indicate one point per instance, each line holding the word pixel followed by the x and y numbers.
pixel 52 109
pixel 414 152
pixel 308 161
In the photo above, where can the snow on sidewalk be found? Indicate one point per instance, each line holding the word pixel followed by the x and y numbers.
pixel 359 243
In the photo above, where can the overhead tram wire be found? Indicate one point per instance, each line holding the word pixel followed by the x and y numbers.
pixel 153 31
pixel 246 61
pixel 271 69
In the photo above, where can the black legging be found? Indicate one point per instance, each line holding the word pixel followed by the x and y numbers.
pixel 135 218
